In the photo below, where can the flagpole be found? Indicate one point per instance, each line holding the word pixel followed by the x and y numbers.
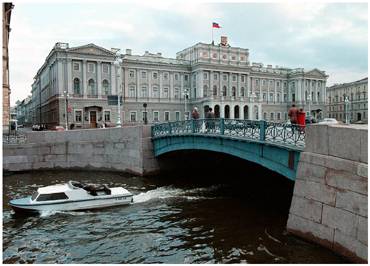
pixel 212 34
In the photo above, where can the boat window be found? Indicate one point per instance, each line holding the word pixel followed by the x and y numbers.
pixel 34 195
pixel 54 196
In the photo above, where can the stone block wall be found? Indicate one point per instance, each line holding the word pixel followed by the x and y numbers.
pixel 126 149
pixel 330 198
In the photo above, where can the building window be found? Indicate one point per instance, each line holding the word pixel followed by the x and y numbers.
pixel 278 84
pixel 144 91
pixel 165 76
pixel 76 66
pixel 106 88
pixel 243 78
pixel 176 93
pixel 131 92
pixel 263 82
pixel 205 76
pixel 143 74
pixel 278 97
pixel 272 116
pixel 166 116
pixel 92 89
pixel 78 116
pixel 205 54
pixel 176 76
pixel 264 97
pixel 224 57
pixel 264 116
pixel 214 55
pixel 215 76
pixel 165 93
pixel 224 89
pixel 91 67
pixel 107 116
pixel 233 91
pixel 215 90
pixel 76 86
pixel 155 92
pixel 155 75
pixel 271 97
pixel 285 97
pixel 293 97
pixel 105 68
pixel 234 77
pixel 233 57
pixel 132 73
pixel 242 92
pixel 205 91
pixel 156 116
pixel 242 58
pixel 278 116
pixel 177 115
pixel 186 77
pixel 285 116
pixel 133 116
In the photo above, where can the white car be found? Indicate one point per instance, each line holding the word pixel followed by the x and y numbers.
pixel 327 121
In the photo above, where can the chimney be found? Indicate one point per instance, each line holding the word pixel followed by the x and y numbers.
pixel 223 41
pixel 128 51
pixel 159 54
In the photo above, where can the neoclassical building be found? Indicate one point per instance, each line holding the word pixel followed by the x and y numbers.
pixel 356 92
pixel 204 75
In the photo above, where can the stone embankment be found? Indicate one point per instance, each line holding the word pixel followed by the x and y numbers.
pixel 330 200
pixel 126 149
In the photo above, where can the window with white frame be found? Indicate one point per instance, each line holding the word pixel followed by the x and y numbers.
pixel 155 75
pixel 155 92
pixel 176 93
pixel 76 66
pixel 224 56
pixel 271 97
pixel 91 67
pixel 165 93
pixel 264 96
pixel 278 97
pixel 105 68
pixel 186 77
pixel 131 92
pixel 144 91
pixel 234 77
pixel 177 116
pixel 78 116
pixel 166 116
pixel 205 75
pixel 156 116
pixel 225 77
pixel 243 78
pixel 132 74
pixel 107 116
pixel 215 76
pixel 214 55
pixel 176 76
pixel 165 75
pixel 133 116
pixel 143 74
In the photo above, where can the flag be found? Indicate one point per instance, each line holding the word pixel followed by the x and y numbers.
pixel 215 25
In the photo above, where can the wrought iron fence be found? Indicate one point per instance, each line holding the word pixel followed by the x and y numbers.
pixel 281 133
pixel 14 139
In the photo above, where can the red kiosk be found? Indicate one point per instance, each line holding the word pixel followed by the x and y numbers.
pixel 301 120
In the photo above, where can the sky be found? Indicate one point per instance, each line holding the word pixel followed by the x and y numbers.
pixel 329 36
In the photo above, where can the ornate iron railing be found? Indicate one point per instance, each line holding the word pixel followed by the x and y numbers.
pixel 14 139
pixel 280 133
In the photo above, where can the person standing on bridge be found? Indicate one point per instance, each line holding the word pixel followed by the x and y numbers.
pixel 293 115
pixel 195 113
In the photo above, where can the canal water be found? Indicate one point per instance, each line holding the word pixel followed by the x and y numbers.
pixel 177 217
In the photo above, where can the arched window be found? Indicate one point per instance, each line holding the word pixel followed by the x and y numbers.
pixel 242 92
pixel 215 90
pixel 224 91
pixel 92 89
pixel 205 91
pixel 106 88
pixel 76 86
pixel 233 91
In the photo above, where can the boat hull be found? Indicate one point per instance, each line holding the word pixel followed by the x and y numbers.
pixel 21 205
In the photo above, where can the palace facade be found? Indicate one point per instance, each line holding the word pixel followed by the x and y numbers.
pixel 78 80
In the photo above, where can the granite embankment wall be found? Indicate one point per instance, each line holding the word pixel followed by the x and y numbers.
pixel 330 199
pixel 126 149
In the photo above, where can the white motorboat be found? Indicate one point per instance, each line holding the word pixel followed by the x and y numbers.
pixel 71 197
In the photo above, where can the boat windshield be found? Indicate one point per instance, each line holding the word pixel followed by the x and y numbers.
pixel 34 195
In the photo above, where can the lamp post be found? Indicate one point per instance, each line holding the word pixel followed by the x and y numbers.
pixel 253 97
pixel 117 63
pixel 309 104
pixel 346 101
pixel 66 95
pixel 186 94
pixel 145 114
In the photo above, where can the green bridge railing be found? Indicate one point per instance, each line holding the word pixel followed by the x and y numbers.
pixel 279 133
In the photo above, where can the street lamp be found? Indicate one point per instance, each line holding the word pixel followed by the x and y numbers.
pixel 309 104
pixel 66 95
pixel 253 96
pixel 117 63
pixel 346 101
pixel 145 114
pixel 186 94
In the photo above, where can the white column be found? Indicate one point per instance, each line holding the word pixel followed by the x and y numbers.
pixel 229 91
pixel 200 83
pixel 260 112
pixel 231 111
pixel 69 75
pixel 260 89
pixel 98 78
pixel 222 110
pixel 125 84
pixel 150 76
pixel 323 92
pixel 84 79
pixel 137 83
pixel 161 84
pixel 210 89
pixel 238 87
pixel 113 81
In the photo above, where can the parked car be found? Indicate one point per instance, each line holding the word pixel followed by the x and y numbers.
pixel 329 121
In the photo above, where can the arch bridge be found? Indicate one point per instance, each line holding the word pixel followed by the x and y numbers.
pixel 276 146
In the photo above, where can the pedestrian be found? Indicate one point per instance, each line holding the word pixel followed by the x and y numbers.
pixel 195 113
pixel 293 114
pixel 301 120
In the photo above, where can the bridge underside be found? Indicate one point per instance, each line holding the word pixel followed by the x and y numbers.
pixel 276 158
